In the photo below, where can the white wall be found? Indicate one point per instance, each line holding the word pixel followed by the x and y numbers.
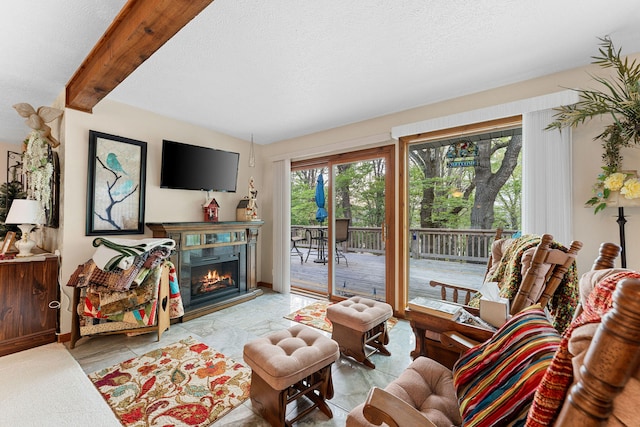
pixel 162 205
pixel 4 148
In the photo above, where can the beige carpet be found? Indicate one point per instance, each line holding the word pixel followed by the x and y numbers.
pixel 45 386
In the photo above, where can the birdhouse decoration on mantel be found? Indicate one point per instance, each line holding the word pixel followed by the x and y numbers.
pixel 210 209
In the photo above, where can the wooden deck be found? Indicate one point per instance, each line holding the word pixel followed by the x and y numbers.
pixel 365 275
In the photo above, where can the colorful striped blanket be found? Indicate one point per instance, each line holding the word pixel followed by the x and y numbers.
pixel 495 381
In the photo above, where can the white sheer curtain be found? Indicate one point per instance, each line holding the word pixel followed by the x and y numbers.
pixel 281 225
pixel 546 178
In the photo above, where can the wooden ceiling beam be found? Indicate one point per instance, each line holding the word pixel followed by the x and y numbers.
pixel 141 28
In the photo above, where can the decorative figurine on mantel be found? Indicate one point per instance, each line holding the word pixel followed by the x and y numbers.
pixel 252 206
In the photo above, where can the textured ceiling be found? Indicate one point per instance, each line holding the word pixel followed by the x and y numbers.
pixel 281 68
pixel 42 43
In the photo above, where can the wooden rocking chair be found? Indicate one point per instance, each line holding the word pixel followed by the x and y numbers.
pixel 542 276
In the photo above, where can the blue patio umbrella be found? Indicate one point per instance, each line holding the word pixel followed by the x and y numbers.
pixel 321 213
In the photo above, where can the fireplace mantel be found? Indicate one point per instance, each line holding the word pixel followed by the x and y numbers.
pixel 204 239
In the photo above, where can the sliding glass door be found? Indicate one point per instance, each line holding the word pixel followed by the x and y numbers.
pixel 346 252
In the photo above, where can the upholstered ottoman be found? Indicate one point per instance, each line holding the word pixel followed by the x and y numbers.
pixel 288 365
pixel 359 322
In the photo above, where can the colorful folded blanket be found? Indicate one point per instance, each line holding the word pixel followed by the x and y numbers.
pixel 137 306
pixel 495 381
pixel 120 253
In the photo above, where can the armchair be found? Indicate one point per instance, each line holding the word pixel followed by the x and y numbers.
pixel 525 371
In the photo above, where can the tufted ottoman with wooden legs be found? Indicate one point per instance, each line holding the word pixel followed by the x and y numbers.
pixel 359 322
pixel 288 365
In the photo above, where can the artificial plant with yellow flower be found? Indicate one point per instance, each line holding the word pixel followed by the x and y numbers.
pixel 627 184
pixel 620 99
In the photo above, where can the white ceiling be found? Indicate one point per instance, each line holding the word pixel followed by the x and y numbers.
pixel 284 68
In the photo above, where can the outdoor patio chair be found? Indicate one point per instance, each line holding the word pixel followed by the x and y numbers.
pixel 341 232
pixel 295 238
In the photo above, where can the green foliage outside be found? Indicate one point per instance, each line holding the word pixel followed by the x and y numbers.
pixel 360 193
pixel 303 205
pixel 453 190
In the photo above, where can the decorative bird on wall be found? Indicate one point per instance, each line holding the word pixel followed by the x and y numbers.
pixel 36 120
pixel 114 163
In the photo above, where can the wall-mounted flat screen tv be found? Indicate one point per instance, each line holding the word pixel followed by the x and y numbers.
pixel 190 167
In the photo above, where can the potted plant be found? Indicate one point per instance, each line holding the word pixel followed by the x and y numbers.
pixel 619 99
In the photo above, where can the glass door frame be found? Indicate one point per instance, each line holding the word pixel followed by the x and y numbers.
pixel 388 153
pixel 403 188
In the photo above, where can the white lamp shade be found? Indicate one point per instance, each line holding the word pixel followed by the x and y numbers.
pixel 25 212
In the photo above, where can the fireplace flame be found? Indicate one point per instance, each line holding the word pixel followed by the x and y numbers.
pixel 214 280
pixel 214 276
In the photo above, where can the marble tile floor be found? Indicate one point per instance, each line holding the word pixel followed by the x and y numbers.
pixel 229 329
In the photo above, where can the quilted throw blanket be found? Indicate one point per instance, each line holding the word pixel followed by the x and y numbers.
pixel 136 306
pixel 121 283
pixel 509 276
pixel 115 278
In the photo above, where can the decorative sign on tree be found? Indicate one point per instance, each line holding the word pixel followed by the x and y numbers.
pixel 462 154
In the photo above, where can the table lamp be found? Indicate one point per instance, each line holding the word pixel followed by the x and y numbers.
pixel 27 214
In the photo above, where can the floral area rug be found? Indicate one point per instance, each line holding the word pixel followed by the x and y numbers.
pixel 184 384
pixel 315 315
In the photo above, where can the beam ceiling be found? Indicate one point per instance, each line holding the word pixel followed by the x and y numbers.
pixel 140 29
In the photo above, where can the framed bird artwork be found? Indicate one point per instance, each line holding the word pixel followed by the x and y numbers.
pixel 116 185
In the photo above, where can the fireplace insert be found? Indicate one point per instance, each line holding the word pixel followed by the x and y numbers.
pixel 212 275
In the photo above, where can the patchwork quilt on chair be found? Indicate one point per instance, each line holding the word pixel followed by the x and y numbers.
pixel 508 274
pixel 124 298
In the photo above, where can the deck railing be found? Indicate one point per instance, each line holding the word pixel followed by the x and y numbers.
pixel 469 245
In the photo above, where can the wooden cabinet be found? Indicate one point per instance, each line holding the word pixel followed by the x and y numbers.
pixel 28 287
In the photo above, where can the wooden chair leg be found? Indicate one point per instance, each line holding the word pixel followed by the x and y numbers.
pixel 272 404
pixel 269 403
pixel 75 320
pixel 378 338
pixel 353 343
